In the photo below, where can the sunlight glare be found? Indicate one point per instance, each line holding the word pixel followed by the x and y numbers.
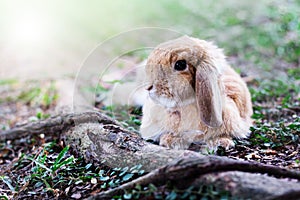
pixel 29 28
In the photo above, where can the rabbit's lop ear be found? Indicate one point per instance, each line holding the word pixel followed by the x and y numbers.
pixel 208 95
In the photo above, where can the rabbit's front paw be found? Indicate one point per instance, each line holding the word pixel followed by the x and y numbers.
pixel 222 141
pixel 174 142
pixel 226 143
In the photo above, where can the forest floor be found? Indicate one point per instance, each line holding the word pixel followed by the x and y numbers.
pixel 30 167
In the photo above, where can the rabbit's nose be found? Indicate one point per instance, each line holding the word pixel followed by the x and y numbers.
pixel 149 87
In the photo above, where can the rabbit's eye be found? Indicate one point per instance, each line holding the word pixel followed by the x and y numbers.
pixel 180 65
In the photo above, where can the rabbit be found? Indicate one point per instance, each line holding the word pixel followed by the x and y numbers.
pixel 194 96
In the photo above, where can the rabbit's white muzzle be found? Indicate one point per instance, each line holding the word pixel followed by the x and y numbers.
pixel 169 101
pixel 161 99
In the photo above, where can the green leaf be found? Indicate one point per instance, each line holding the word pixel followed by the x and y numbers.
pixel 39 115
pixel 3 197
pixel 88 166
pixel 171 196
pixel 141 172
pixel 39 164
pixel 138 187
pixel 127 196
pixel 127 177
pixel 112 183
pixel 124 170
pixel 104 185
pixel 7 181
pixel 78 182
pixel 31 192
pixel 101 172
pixel 46 183
pixel 104 178
pixel 63 163
pixel 152 187
pixel 61 154
pixel 38 184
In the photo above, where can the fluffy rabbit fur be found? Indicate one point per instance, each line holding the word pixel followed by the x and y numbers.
pixel 198 99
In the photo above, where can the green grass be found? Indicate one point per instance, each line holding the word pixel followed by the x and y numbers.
pixel 274 90
pixel 55 168
pixel 32 93
pixel 8 82
pixel 273 135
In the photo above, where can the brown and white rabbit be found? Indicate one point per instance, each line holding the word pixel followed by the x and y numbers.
pixel 194 96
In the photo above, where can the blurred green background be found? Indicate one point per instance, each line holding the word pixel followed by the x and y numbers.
pixel 52 38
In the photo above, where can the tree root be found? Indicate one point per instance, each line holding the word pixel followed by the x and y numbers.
pixel 98 137
pixel 186 169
